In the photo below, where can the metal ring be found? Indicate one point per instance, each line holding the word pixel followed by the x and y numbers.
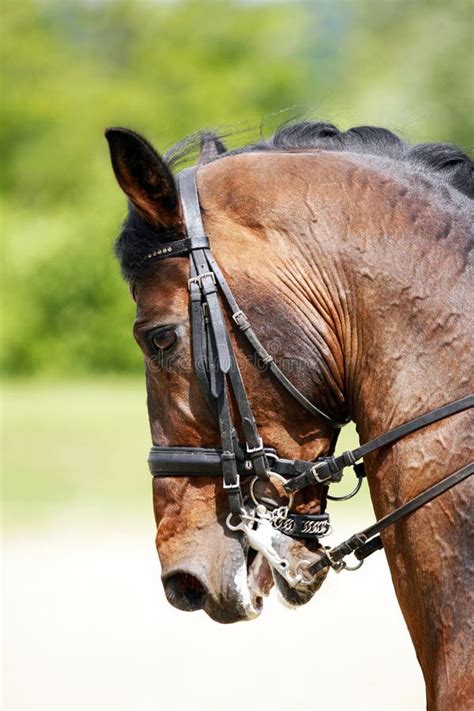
pixel 350 494
pixel 270 476
pixel 353 567
pixel 300 573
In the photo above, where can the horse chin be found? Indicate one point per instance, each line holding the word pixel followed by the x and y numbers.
pixel 299 595
pixel 261 578
pixel 294 552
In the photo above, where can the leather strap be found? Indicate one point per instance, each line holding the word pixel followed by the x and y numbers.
pixel 191 209
pixel 199 339
pixel 244 325
pixel 200 461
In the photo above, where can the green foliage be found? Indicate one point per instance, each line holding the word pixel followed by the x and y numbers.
pixel 167 69
pixel 412 69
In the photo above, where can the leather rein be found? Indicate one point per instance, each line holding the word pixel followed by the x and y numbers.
pixel 219 375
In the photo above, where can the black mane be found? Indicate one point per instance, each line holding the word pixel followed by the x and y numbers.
pixel 447 162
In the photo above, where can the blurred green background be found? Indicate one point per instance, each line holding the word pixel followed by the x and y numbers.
pixel 72 374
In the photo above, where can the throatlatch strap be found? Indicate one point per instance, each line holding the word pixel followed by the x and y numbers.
pixel 244 325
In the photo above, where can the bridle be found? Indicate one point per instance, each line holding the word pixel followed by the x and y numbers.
pixel 219 375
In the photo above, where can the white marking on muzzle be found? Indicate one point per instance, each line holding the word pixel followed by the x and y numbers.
pixel 242 588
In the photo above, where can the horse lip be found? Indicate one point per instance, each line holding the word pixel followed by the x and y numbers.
pixel 259 577
pixel 300 594
pixel 249 584
pixel 229 614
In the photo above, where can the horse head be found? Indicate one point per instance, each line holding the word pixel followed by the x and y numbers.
pixel 204 564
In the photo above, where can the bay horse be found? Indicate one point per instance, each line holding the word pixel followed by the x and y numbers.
pixel 350 254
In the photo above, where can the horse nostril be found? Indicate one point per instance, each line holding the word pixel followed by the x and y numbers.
pixel 185 592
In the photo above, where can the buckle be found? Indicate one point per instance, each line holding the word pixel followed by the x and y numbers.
pixel 317 477
pixel 198 279
pixel 235 485
pixel 258 448
pixel 336 565
pixel 241 320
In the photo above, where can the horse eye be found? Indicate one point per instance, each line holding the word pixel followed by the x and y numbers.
pixel 162 339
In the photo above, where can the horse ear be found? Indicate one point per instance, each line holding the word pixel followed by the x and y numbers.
pixel 144 177
pixel 211 147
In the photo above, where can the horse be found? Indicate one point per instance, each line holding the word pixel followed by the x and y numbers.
pixel 349 252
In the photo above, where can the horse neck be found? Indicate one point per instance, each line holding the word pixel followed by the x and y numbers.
pixel 407 354
pixel 409 325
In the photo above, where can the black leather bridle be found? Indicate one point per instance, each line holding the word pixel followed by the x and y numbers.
pixel 219 375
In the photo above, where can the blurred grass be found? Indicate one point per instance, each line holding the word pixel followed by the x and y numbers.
pixel 81 445
pixel 74 444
